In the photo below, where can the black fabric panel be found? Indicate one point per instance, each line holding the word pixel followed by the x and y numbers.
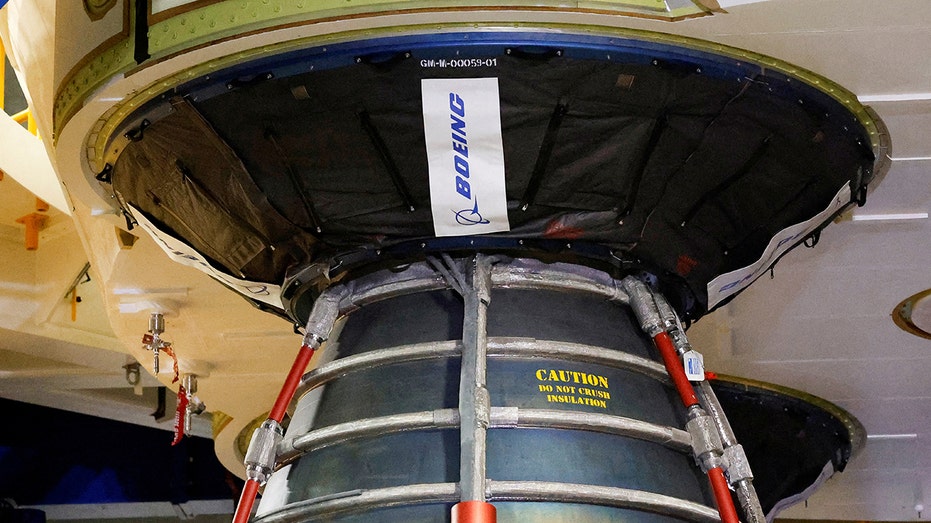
pixel 762 164
pixel 787 439
pixel 688 173
pixel 321 139
pixel 182 176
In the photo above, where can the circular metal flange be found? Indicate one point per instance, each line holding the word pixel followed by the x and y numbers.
pixel 913 314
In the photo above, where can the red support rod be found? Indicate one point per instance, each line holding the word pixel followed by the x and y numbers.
pixel 474 512
pixel 291 383
pixel 246 500
pixel 667 351
pixel 251 489
pixel 722 496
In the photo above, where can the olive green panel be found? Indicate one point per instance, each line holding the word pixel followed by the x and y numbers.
pixel 229 18
pixel 232 17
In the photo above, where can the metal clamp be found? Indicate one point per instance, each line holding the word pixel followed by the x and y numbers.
pixel 668 316
pixel 643 305
pixel 323 315
pixel 706 443
pixel 738 466
pixel 260 457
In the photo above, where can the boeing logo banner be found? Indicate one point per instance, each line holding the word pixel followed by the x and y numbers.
pixel 465 155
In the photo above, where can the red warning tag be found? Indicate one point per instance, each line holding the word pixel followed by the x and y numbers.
pixel 179 415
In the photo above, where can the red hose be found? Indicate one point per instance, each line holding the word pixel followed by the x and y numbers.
pixel 251 489
pixel 246 500
pixel 674 367
pixel 722 496
pixel 291 383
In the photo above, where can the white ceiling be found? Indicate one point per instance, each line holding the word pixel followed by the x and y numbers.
pixel 821 325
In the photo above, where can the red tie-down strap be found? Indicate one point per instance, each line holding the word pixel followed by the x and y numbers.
pixel 166 348
pixel 180 413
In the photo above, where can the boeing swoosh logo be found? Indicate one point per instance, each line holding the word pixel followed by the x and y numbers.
pixel 470 216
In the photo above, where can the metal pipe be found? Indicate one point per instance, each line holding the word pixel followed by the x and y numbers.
pixel 499 417
pixel 474 512
pixel 641 302
pixel 749 502
pixel 738 469
pixel 358 501
pixel 497 348
pixel 291 449
pixel 260 458
pixel 519 274
pixel 524 274
pixel 722 496
pixel 336 369
pixel 474 403
pixel 258 468
pixel 670 437
pixel 600 495
pixel 383 285
pixel 576 352
pixel 280 406
pixel 713 406
pixel 658 320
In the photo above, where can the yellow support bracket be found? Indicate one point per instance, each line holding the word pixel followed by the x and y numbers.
pixel 21 117
pixel 34 223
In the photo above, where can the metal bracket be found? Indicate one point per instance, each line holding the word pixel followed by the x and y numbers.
pixel 706 443
pixel 260 457
pixel 738 467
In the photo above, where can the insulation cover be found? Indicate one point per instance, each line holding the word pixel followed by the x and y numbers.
pixel 649 156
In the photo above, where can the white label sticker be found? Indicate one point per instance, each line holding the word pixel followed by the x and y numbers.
pixel 730 283
pixel 694 364
pixel 465 155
